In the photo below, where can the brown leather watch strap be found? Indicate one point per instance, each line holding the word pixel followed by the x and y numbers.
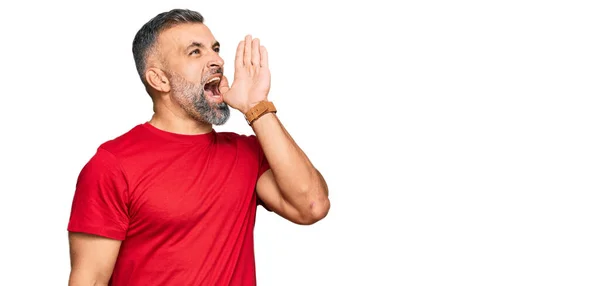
pixel 259 110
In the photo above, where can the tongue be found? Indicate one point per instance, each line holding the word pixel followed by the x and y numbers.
pixel 209 90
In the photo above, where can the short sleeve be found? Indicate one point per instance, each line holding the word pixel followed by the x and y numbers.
pixel 264 164
pixel 262 167
pixel 99 204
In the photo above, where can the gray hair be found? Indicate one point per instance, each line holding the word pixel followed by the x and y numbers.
pixel 145 38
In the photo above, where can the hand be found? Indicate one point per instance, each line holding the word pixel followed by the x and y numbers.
pixel 252 78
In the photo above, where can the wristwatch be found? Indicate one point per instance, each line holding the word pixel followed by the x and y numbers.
pixel 259 110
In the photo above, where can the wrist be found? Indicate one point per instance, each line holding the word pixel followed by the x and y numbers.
pixel 258 110
pixel 244 110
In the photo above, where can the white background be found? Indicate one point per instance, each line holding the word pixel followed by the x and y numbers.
pixel 460 139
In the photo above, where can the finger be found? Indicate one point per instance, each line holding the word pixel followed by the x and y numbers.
pixel 264 57
pixel 256 52
pixel 248 51
pixel 239 56
pixel 223 85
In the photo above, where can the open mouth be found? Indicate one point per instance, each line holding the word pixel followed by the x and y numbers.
pixel 211 88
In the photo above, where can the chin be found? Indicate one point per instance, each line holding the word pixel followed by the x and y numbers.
pixel 217 114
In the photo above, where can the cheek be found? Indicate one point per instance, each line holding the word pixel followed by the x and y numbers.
pixel 193 72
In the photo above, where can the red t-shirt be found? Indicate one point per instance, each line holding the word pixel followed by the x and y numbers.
pixel 183 205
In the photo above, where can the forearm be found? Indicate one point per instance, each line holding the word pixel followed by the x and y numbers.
pixel 87 283
pixel 300 183
pixel 78 278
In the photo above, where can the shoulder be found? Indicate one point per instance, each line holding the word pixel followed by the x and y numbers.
pixel 110 158
pixel 125 141
pixel 245 143
pixel 107 153
pixel 247 140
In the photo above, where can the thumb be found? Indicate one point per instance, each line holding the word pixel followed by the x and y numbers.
pixel 223 85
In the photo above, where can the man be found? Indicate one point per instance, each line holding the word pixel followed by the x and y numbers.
pixel 172 201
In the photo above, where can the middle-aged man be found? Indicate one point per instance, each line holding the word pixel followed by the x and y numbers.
pixel 172 201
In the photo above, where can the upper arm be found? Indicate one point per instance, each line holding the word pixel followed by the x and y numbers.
pixel 269 194
pixel 99 219
pixel 92 258
pixel 274 199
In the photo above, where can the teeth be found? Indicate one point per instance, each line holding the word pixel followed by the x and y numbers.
pixel 213 79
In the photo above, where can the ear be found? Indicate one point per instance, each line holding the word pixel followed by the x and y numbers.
pixel 158 80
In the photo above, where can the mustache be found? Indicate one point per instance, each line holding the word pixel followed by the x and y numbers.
pixel 218 70
pixel 211 72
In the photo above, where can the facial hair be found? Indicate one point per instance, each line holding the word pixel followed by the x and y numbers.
pixel 191 98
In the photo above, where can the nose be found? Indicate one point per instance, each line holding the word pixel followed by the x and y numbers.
pixel 215 62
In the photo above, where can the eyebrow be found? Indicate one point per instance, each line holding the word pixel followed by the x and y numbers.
pixel 216 44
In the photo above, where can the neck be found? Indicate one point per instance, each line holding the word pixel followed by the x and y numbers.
pixel 178 122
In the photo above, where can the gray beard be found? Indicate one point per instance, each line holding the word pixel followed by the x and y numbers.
pixel 192 99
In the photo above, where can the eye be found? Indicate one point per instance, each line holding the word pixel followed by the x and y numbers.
pixel 195 52
pixel 217 49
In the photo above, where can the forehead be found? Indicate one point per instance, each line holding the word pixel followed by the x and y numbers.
pixel 182 35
